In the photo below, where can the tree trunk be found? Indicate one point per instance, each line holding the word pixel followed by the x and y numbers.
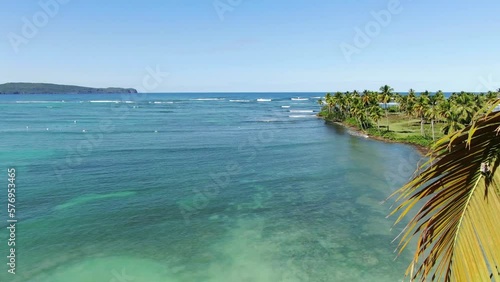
pixel 422 126
pixel 366 115
pixel 432 125
pixel 386 117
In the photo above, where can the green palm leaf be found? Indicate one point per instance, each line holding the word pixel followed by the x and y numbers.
pixel 458 225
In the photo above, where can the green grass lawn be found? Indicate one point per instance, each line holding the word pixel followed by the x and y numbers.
pixel 403 129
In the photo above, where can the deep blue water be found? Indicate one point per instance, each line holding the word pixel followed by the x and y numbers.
pixel 196 187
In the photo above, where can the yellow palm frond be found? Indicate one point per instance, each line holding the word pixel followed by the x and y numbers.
pixel 458 224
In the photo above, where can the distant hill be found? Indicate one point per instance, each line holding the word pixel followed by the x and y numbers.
pixel 48 88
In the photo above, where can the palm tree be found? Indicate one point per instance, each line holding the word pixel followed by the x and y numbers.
pixel 358 111
pixel 343 104
pixel 490 96
pixel 366 101
pixel 322 107
pixel 398 99
pixel 420 107
pixel 432 112
pixel 464 106
pixel 329 103
pixel 457 226
pixel 366 98
pixel 376 113
pixel 403 101
pixel 386 93
pixel 410 104
pixel 348 102
pixel 445 109
pixel 453 123
pixel 439 96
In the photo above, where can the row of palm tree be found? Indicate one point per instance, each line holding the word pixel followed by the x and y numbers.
pixel 455 112
pixel 455 197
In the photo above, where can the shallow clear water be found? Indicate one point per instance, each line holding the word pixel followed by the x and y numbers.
pixel 196 187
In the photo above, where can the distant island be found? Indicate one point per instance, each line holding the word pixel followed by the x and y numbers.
pixel 49 88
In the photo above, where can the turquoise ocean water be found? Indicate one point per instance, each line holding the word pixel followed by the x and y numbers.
pixel 195 187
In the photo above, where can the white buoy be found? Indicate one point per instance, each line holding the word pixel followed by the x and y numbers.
pixel 156 131
pixel 74 121
pixel 84 130
pixel 47 129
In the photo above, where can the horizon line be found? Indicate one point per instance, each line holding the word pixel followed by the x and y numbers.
pixel 250 92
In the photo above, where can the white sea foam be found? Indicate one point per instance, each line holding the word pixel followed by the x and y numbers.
pixel 264 100
pixel 301 111
pixel 285 107
pixel 37 102
pixel 300 99
pixel 240 101
pixel 162 102
pixel 354 133
pixel 104 101
pixel 301 116
pixel 207 99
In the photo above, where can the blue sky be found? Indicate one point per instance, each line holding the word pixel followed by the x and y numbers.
pixel 257 45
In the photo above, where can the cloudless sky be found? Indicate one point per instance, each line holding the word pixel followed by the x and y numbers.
pixel 258 45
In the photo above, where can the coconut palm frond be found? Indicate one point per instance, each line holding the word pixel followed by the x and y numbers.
pixel 458 225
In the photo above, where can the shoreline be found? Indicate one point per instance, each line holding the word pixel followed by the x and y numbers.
pixel 422 150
